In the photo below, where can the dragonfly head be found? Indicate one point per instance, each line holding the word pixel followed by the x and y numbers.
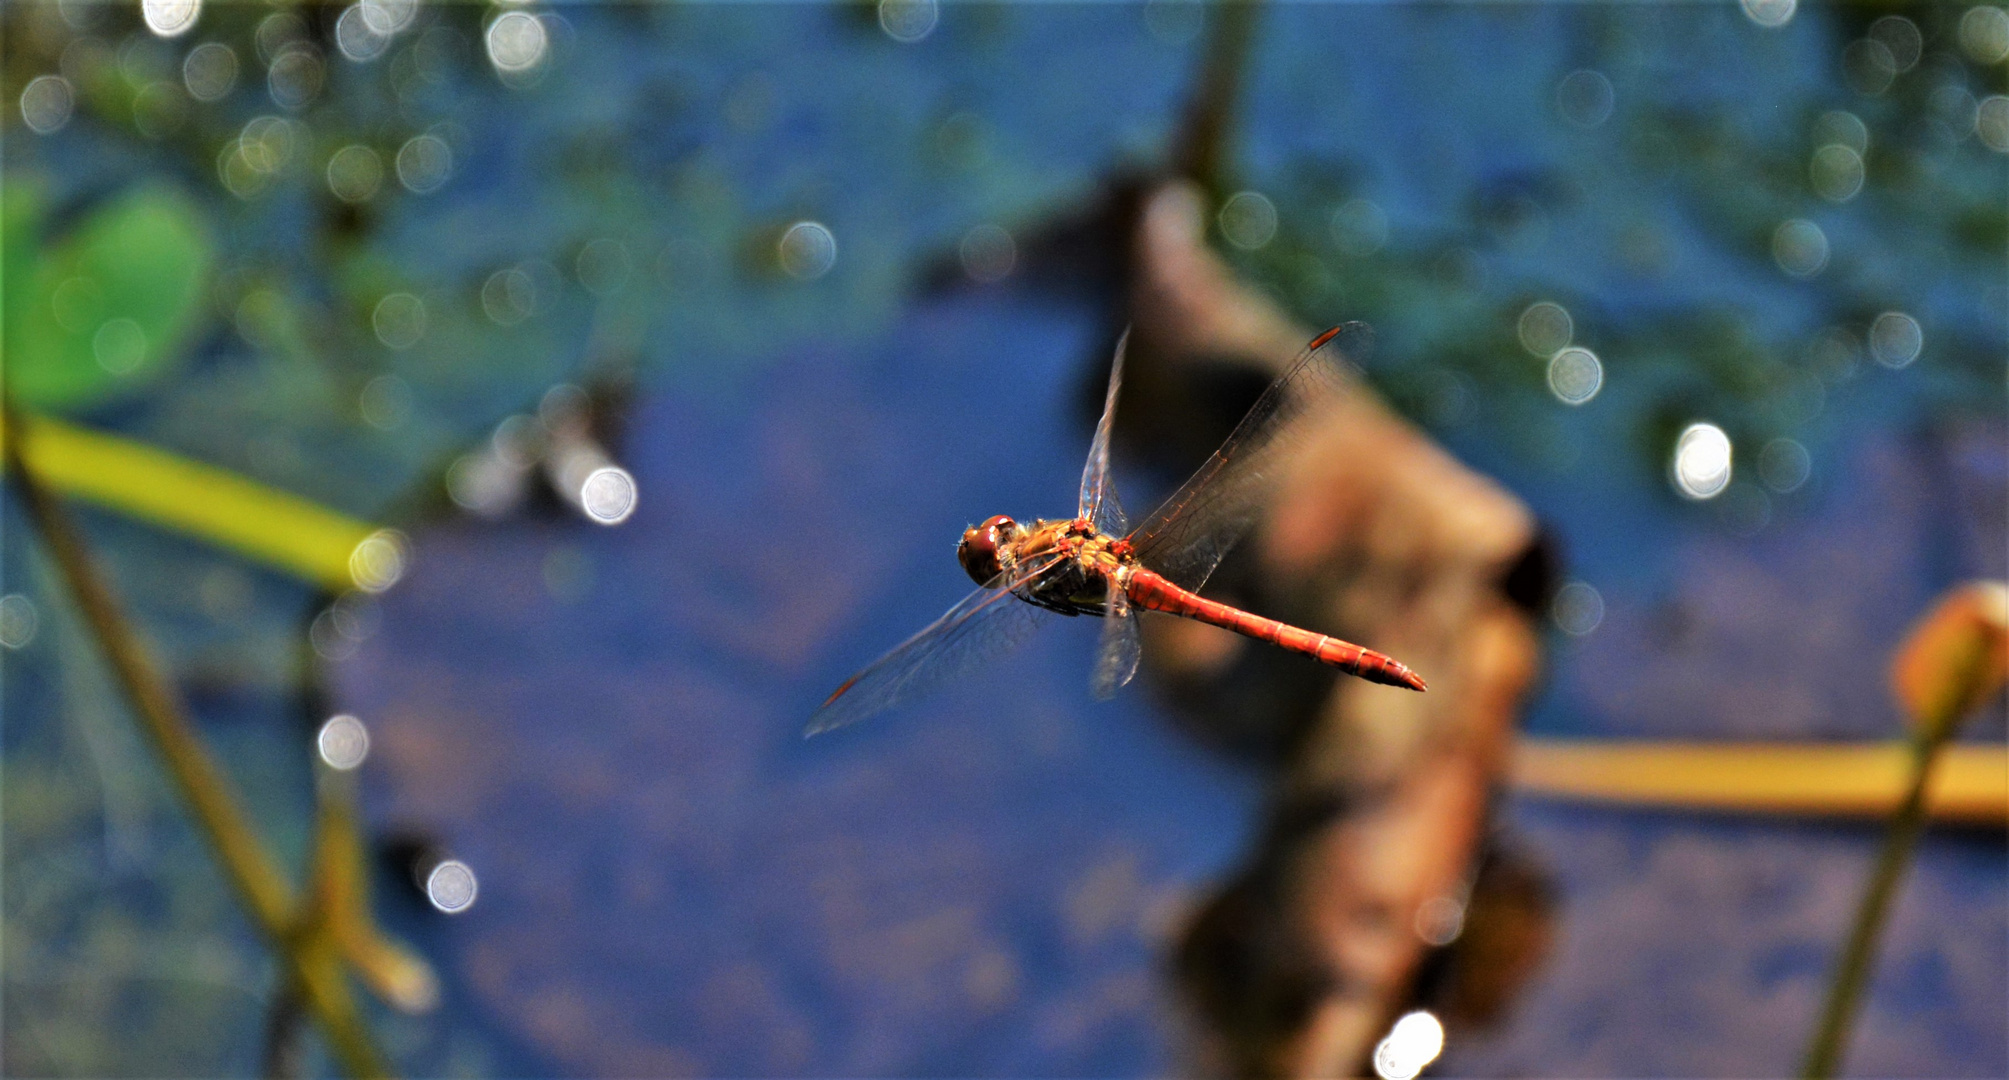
pixel 979 550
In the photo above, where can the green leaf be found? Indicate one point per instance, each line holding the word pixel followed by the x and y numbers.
pixel 104 311
pixel 21 210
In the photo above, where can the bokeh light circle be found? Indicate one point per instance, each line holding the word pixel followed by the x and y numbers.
pixel 1439 920
pixel 355 172
pixel 267 143
pixel 1585 98
pixel 603 266
pixel 295 77
pixel 357 40
pixel 908 21
pixel 508 296
pixel 47 103
pixel 1575 375
pixel 378 561
pixel 385 403
pixel 19 621
pixel 119 345
pixel 807 250
pixel 1843 127
pixel 451 886
pixel 1902 37
pixel 1895 339
pixel 1984 34
pixel 170 18
pixel 1991 121
pixel 1702 461
pixel 399 320
pixel 1545 328
pixel 608 495
pixel 1800 248
pixel 516 42
pixel 1248 220
pixel 388 17
pixel 343 742
pixel 234 169
pixel 1413 1043
pixel 1577 609
pixel 424 163
pixel 1836 172
pixel 275 32
pixel 1769 13
pixel 209 71
pixel 988 253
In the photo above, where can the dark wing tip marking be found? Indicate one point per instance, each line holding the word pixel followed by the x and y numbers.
pixel 839 692
pixel 818 723
pixel 1323 338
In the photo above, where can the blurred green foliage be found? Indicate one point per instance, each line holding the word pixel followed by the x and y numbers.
pixel 106 308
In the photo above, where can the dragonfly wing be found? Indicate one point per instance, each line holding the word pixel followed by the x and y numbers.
pixel 1116 658
pixel 1099 505
pixel 1185 539
pixel 987 623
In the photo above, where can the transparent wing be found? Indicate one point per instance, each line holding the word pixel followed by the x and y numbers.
pixel 1116 658
pixel 1099 505
pixel 986 624
pixel 1185 539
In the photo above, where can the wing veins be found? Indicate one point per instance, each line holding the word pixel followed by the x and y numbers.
pixel 981 623
pixel 1187 536
pixel 1099 504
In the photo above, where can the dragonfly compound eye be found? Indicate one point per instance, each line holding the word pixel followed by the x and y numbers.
pixel 979 550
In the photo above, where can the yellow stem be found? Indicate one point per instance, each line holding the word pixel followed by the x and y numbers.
pixel 271 526
pixel 1970 785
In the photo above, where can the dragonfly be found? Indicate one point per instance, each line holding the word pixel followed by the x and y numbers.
pixel 1095 564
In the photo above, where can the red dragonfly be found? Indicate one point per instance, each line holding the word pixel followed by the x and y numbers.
pixel 1095 564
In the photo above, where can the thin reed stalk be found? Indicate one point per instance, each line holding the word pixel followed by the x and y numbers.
pixel 313 967
pixel 1949 664
pixel 1824 1056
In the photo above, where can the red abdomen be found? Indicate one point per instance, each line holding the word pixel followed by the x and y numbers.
pixel 1152 592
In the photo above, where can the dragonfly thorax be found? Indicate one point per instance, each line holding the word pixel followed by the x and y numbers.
pixel 1074 584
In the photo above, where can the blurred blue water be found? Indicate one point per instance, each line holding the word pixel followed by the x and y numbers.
pixel 604 722
pixel 982 882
